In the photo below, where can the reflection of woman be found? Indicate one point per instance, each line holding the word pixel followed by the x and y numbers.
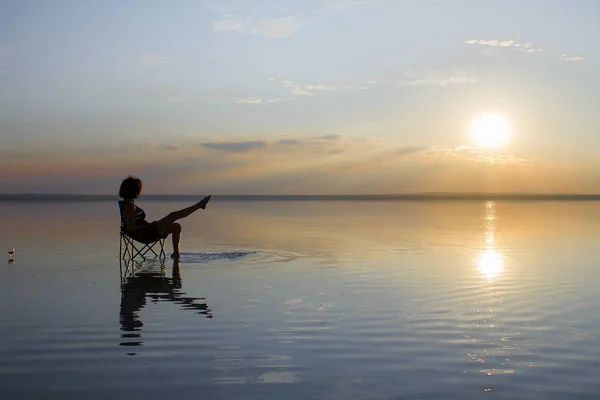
pixel 137 287
pixel 139 229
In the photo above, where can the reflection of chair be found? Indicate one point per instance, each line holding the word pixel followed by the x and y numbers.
pixel 128 248
pixel 148 280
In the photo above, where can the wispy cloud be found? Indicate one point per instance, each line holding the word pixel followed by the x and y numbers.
pixel 275 27
pixel 274 21
pixel 289 142
pixel 236 147
pixel 577 60
pixel 308 90
pixel 333 136
pixel 256 100
pixel 152 60
pixel 433 77
pixel 467 153
pixel 293 89
pixel 147 145
pixel 525 47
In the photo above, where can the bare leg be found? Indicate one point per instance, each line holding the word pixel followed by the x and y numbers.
pixel 175 235
pixel 166 223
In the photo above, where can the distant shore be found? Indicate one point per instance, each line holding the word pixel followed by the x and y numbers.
pixel 28 197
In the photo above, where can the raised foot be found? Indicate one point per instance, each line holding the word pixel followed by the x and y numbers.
pixel 204 202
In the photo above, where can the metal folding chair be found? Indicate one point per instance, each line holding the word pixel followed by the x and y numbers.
pixel 129 248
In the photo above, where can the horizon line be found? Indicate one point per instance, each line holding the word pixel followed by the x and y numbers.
pixel 490 196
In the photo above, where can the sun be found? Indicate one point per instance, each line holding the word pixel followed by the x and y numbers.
pixel 490 131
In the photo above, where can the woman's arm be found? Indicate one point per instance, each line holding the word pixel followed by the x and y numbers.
pixel 129 214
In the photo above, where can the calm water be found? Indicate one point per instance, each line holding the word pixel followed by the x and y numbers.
pixel 305 300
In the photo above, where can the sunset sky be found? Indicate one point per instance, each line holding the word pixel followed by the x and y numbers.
pixel 300 97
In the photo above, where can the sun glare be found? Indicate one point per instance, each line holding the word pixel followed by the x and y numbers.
pixel 490 263
pixel 490 131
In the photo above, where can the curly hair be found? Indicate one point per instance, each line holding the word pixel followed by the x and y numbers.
pixel 131 187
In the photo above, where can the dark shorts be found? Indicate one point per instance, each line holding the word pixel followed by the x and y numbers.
pixel 148 234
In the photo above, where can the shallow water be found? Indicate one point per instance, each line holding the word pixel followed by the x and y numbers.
pixel 323 300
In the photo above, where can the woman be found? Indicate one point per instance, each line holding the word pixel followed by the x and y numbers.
pixel 139 229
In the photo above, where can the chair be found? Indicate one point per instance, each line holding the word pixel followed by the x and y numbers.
pixel 130 248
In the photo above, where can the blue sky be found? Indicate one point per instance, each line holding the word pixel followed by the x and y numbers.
pixel 316 96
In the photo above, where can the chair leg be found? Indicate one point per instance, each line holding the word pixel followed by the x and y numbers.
pixel 162 249
pixel 145 250
pixel 129 251
pixel 124 250
pixel 138 252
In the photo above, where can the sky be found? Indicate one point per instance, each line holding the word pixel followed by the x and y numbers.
pixel 299 97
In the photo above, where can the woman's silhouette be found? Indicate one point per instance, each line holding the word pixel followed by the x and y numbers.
pixel 139 229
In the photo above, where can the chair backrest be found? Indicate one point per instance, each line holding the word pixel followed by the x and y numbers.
pixel 121 213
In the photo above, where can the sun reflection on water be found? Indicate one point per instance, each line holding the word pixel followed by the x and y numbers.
pixel 489 261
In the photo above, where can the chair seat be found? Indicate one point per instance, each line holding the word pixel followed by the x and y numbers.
pixel 130 247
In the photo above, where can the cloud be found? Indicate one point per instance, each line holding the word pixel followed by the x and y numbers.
pixel 308 90
pixel 270 27
pixel 236 147
pixel 366 166
pixel 577 60
pixel 317 88
pixel 332 136
pixel 256 100
pixel 248 100
pixel 289 142
pixel 171 147
pixel 294 89
pixel 152 60
pixel 276 27
pixel 467 153
pixel 525 47
pixel 411 150
pixel 273 19
pixel 432 77
pixel 147 145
